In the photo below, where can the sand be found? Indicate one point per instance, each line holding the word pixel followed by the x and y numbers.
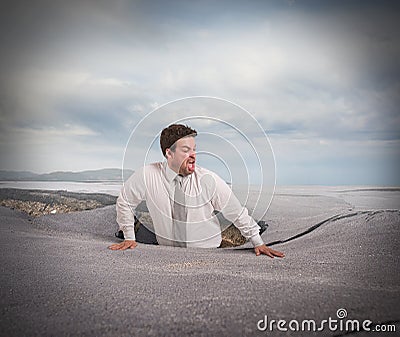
pixel 342 252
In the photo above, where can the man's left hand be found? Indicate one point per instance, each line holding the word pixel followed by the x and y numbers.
pixel 263 249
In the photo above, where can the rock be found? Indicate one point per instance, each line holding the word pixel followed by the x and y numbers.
pixel 41 202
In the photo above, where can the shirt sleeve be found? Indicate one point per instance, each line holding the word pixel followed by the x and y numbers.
pixel 227 203
pixel 131 194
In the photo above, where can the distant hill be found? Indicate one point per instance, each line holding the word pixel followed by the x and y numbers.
pixel 109 174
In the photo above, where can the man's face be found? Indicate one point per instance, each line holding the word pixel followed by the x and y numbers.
pixel 183 159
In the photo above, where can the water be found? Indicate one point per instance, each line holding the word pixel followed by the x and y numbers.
pixel 108 187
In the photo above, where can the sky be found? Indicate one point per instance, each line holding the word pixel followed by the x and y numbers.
pixel 318 79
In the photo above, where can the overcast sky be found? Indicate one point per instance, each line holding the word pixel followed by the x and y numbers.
pixel 320 77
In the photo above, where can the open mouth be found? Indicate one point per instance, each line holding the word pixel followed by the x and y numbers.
pixel 191 165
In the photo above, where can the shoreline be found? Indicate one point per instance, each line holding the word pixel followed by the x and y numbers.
pixel 42 202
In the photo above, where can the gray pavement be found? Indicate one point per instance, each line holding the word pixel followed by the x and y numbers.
pixel 59 279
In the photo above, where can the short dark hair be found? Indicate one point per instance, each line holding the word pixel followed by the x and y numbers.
pixel 174 132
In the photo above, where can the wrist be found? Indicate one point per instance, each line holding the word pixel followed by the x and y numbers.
pixel 257 241
pixel 129 233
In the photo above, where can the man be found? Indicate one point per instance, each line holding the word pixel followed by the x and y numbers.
pixel 181 198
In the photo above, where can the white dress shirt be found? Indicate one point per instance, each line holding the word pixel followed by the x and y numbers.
pixel 204 191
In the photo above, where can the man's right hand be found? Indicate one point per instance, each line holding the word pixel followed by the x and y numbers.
pixel 127 244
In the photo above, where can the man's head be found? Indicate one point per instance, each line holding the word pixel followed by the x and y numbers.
pixel 179 147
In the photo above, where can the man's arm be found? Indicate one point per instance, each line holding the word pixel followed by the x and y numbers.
pixel 132 193
pixel 226 202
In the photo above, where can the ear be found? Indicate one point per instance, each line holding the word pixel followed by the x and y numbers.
pixel 168 153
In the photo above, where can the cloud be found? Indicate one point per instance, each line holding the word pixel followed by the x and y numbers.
pixel 315 76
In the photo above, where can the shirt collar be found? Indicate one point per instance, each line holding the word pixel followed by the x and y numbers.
pixel 169 174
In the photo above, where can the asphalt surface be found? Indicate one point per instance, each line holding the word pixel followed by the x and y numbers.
pixel 59 279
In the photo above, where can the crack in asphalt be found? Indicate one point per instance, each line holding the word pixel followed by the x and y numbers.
pixel 330 220
pixel 323 222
